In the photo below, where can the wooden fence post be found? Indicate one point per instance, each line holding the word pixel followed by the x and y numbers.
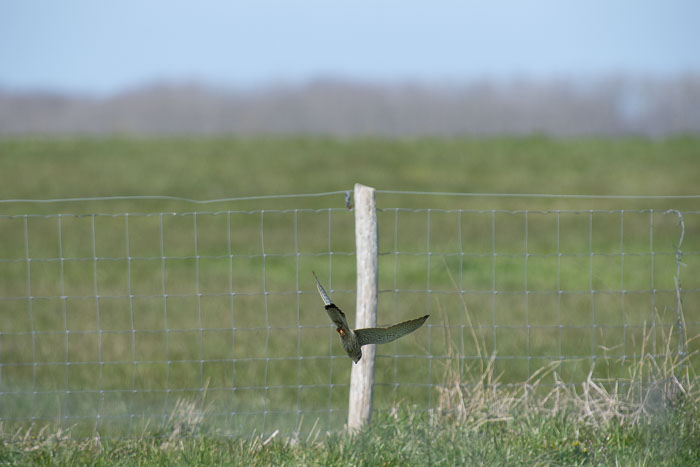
pixel 362 376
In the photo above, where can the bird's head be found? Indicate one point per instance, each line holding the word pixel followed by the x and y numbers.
pixel 356 356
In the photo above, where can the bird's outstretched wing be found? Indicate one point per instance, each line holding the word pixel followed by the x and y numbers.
pixel 324 295
pixel 338 317
pixel 391 333
pixel 334 313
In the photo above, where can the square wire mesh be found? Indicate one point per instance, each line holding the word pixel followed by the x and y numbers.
pixel 128 324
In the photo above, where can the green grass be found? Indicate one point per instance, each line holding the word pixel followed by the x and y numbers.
pixel 269 347
pixel 474 422
pixel 217 168
pixel 403 439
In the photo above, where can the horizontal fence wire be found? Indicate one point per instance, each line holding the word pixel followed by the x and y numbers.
pixel 130 323
pixel 167 198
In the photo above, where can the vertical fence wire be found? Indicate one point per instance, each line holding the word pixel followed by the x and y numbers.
pixel 267 317
pixel 132 327
pixel 652 311
pixel 95 291
pixel 297 406
pixel 494 290
pixel 166 327
pixel 232 407
pixel 622 286
pixel 428 302
pixel 198 300
pixel 29 311
pixel 590 288
pixel 330 347
pixel 527 298
pixel 394 288
pixel 682 341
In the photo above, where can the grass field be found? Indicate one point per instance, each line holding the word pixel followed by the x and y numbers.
pixel 403 438
pixel 132 316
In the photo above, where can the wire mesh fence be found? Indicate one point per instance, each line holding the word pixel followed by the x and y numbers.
pixel 129 323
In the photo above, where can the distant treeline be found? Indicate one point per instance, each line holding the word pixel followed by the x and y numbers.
pixel 610 106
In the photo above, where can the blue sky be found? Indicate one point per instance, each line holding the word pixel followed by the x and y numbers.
pixel 104 47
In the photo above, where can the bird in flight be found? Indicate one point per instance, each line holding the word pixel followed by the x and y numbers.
pixel 353 340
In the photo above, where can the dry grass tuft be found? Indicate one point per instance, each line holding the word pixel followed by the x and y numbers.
pixel 473 397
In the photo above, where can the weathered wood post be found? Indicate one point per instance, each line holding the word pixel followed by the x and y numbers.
pixel 362 376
